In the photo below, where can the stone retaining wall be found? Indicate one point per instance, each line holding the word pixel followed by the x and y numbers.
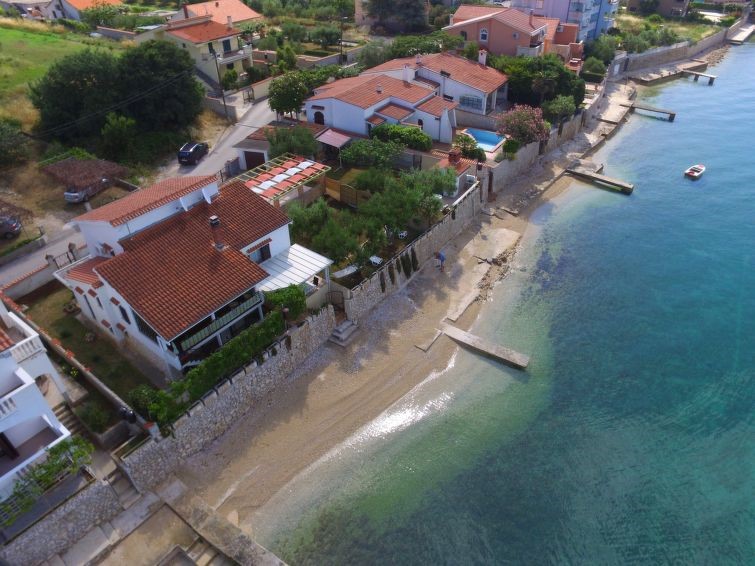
pixel 64 526
pixel 391 277
pixel 223 406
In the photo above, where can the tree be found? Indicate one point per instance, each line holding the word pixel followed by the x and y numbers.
pixel 73 93
pixel 373 54
pixel 436 181
pixel 163 75
pixel 286 58
pixel 372 180
pixel 543 84
pixel 118 136
pixel 287 93
pixel 335 241
pixel 523 123
pixel 325 35
pixel 559 108
pixel 308 221
pixel 604 48
pixel 100 14
pixel 530 79
pixel 298 140
pixel 406 45
pixel 371 153
pixel 409 136
pixel 594 65
pixel 471 51
pixel 469 148
pixel 14 145
pixel 230 79
pixel 398 15
pixel 293 31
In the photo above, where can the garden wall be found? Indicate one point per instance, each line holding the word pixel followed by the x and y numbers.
pixel 392 276
pixel 472 120
pixel 35 244
pixel 223 406
pixel 63 526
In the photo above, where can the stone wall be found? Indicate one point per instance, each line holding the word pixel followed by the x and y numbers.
pixel 391 277
pixel 223 406
pixel 63 526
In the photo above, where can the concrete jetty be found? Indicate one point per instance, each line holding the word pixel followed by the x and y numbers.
pixel 742 35
pixel 589 170
pixel 489 349
pixel 698 74
pixel 641 106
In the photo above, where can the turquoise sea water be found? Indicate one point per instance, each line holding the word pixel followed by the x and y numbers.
pixel 631 438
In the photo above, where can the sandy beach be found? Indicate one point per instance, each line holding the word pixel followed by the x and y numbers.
pixel 339 390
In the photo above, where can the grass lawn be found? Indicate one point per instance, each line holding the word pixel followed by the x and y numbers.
pixel 46 309
pixel 694 31
pixel 27 49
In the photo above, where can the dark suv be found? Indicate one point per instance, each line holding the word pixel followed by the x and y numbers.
pixel 191 152
pixel 10 226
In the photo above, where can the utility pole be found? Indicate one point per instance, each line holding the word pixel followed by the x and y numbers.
pixel 222 91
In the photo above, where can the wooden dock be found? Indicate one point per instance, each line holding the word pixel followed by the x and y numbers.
pixel 742 35
pixel 590 171
pixel 640 106
pixel 494 351
pixel 698 74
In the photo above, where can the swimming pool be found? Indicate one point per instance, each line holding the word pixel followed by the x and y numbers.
pixel 487 140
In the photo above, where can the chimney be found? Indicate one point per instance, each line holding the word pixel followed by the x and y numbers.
pixel 482 57
pixel 379 89
pixel 230 22
pixel 407 73
pixel 215 229
pixel 418 59
pixel 217 4
pixel 454 156
pixel 186 11
pixel 532 18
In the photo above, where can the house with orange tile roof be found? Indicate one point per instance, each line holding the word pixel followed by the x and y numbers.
pixel 220 10
pixel 179 268
pixel 508 31
pixel 72 9
pixel 215 47
pixel 30 388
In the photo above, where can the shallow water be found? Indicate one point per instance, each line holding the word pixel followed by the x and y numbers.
pixel 631 437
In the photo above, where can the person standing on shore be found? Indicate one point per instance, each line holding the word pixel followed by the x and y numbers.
pixel 441 260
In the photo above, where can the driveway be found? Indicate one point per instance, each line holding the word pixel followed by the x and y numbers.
pixel 258 115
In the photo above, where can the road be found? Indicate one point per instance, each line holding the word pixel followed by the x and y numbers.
pixel 56 245
pixel 258 115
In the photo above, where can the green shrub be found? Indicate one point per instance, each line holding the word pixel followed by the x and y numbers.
pixel 371 153
pixel 594 65
pixel 94 416
pixel 409 136
pixel 372 180
pixel 229 80
pixel 292 297
pixel 511 146
pixel 655 19
pixel 140 398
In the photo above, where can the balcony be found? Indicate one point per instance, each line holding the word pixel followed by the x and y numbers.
pixel 235 55
pixel 253 302
pixel 27 449
pixel 27 341
pixel 531 51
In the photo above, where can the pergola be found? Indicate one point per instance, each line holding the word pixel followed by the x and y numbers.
pixel 282 175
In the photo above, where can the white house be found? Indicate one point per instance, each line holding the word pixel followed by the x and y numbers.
pixel 177 269
pixel 28 425
pixel 71 9
pixel 357 104
pixel 471 85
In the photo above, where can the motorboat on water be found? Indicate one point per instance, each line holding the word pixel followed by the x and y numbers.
pixel 695 172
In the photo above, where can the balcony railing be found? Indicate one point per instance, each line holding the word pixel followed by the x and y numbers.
pixel 27 348
pixel 235 55
pixel 221 321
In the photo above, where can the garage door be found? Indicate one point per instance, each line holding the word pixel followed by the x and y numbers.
pixel 253 158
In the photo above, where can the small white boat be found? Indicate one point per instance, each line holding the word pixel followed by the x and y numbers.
pixel 695 172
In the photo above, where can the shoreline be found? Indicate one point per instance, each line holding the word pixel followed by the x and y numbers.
pixel 339 391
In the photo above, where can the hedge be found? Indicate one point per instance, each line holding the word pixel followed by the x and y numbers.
pixel 409 136
pixel 291 297
pixel 592 77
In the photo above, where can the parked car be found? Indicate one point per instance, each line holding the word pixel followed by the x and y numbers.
pixel 83 194
pixel 10 227
pixel 191 152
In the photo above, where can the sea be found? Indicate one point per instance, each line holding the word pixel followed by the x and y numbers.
pixel 630 439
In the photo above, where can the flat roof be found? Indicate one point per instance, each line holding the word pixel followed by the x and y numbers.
pixel 294 266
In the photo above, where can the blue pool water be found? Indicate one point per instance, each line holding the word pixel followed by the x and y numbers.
pixel 486 139
pixel 631 437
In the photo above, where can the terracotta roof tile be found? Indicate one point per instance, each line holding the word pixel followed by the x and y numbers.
pixel 366 90
pixel 79 290
pixel 5 341
pixel 120 327
pixel 469 11
pixel 376 120
pixel 436 105
pixel 460 69
pixel 144 200
pixel 84 271
pixel 395 111
pixel 172 275
pixel 87 4
pixel 105 323
pixel 115 301
pixel 203 32
pixel 221 9
pixel 92 293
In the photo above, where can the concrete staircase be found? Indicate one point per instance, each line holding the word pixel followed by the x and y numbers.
pixel 123 488
pixel 343 333
pixel 69 420
pixel 203 553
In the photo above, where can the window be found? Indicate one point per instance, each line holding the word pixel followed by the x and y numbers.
pixel 124 315
pixel 447 97
pixel 483 34
pixel 469 101
pixel 183 45
pixel 229 66
pixel 420 123
pixel 145 328
pixel 464 35
pixel 98 302
pixel 515 35
pixel 260 255
pixel 211 47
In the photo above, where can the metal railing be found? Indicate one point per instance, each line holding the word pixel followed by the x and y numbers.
pixel 220 322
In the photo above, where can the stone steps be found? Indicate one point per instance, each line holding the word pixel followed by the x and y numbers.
pixel 123 488
pixel 343 333
pixel 69 420
pixel 203 553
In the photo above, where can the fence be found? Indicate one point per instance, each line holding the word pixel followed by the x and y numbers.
pixel 345 194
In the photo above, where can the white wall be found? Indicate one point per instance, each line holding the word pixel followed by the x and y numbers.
pixel 281 241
